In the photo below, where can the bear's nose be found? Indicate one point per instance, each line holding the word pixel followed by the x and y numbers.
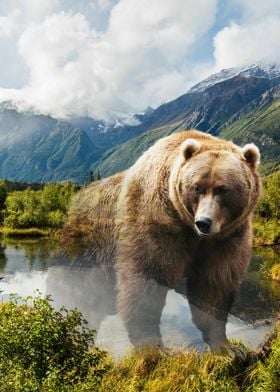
pixel 203 225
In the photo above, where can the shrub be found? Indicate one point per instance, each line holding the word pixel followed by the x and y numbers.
pixel 266 231
pixel 275 272
pixel 269 207
pixel 44 208
pixel 43 349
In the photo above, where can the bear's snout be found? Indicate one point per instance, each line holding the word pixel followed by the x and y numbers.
pixel 203 225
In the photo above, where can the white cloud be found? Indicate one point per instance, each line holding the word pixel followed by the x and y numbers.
pixel 239 45
pixel 139 60
pixel 8 24
pixel 104 56
pixel 33 10
pixel 258 8
pixel 104 4
pixel 254 39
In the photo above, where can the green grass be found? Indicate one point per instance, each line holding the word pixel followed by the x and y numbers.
pixel 30 232
pixel 47 350
pixel 264 376
pixel 154 371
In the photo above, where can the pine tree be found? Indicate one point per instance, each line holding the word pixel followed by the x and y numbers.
pixel 91 177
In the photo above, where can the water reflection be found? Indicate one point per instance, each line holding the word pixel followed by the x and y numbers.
pixel 31 265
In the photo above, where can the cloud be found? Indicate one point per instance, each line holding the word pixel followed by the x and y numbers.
pixel 140 59
pixel 252 9
pixel 104 4
pixel 33 10
pixel 8 24
pixel 254 39
pixel 103 57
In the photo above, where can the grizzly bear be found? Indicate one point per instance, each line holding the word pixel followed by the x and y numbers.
pixel 184 209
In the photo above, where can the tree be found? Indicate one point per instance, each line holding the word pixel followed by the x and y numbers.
pixel 91 177
pixel 3 196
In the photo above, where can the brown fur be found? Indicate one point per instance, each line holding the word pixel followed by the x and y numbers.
pixel 143 219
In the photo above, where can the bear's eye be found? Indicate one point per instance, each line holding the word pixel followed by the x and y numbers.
pixel 221 190
pixel 197 189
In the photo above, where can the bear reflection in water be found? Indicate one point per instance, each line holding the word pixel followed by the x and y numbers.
pixel 183 209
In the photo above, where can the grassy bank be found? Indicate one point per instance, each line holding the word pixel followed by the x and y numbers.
pixel 30 232
pixel 43 349
pixel 156 371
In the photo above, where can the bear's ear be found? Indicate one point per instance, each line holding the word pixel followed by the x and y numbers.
pixel 252 155
pixel 189 147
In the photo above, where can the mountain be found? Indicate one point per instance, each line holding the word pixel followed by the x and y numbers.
pixel 217 106
pixel 261 127
pixel 255 70
pixel 241 104
pixel 206 106
pixel 117 129
pixel 40 148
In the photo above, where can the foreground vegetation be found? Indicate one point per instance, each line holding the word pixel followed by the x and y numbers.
pixel 267 218
pixel 47 350
pixel 43 349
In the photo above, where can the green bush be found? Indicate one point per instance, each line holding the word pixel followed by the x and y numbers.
pixel 267 217
pixel 44 208
pixel 42 349
pixel 266 231
pixel 269 207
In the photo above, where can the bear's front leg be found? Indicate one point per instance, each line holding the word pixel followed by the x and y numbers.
pixel 209 306
pixel 147 265
pixel 140 302
pixel 212 286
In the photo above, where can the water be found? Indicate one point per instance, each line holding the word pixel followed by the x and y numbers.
pixel 31 264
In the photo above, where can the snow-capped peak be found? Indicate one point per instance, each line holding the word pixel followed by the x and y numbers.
pixel 256 70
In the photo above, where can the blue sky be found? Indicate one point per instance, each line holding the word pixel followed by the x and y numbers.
pixel 104 57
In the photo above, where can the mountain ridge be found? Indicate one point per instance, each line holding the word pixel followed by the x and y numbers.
pixel 212 111
pixel 40 148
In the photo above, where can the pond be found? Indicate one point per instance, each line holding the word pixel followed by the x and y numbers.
pixel 27 265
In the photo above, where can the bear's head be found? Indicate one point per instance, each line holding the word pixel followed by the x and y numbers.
pixel 215 187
